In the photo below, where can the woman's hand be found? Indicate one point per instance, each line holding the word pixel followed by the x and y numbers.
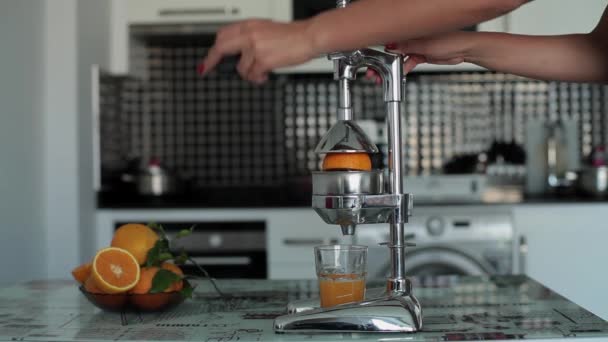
pixel 445 49
pixel 264 45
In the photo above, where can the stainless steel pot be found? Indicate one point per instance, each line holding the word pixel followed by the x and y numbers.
pixel 153 180
pixel 594 180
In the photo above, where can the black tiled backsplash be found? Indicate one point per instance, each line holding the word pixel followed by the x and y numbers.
pixel 222 131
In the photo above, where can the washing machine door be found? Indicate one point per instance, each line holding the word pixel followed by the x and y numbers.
pixel 436 261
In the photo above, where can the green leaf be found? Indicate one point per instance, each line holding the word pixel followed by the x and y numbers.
pixel 159 229
pixel 162 280
pixel 154 226
pixel 187 290
pixel 184 232
pixel 164 256
pixel 161 251
pixel 152 258
pixel 181 258
pixel 158 253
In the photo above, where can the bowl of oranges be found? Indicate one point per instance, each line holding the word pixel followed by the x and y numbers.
pixel 137 272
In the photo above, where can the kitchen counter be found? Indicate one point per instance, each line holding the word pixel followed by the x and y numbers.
pixel 264 197
pixel 278 199
pixel 466 308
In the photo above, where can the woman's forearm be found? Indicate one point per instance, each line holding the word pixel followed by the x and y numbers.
pixel 576 58
pixel 372 22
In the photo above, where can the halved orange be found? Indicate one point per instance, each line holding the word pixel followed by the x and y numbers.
pixel 115 270
pixel 81 273
pixel 347 161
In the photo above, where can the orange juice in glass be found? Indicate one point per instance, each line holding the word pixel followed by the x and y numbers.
pixel 341 270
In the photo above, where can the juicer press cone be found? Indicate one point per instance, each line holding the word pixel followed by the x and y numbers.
pixel 345 136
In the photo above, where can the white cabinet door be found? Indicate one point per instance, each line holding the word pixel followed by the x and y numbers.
pixel 567 252
pixel 206 11
pixel 549 17
pixel 291 237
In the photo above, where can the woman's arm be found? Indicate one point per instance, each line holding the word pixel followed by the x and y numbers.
pixel 576 57
pixel 265 45
pixel 377 22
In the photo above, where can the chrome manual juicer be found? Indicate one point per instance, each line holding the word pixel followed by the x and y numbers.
pixel 350 198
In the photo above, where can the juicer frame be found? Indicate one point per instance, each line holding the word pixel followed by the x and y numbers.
pixel 396 309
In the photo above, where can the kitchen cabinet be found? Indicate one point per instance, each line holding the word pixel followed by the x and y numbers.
pixel 291 238
pixel 212 13
pixel 208 11
pixel 566 250
pixel 550 17
pixel 291 234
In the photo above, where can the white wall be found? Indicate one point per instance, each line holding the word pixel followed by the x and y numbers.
pixel 76 36
pixel 93 24
pixel 46 198
pixel 556 17
pixel 61 138
pixel 22 243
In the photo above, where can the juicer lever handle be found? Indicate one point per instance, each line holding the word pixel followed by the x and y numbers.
pixel 407 244
pixel 406 237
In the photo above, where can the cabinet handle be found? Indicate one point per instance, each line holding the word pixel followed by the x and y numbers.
pixel 220 261
pixel 308 242
pixel 178 12
pixel 523 253
pixel 303 242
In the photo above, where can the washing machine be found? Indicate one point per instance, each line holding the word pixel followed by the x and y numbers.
pixel 454 240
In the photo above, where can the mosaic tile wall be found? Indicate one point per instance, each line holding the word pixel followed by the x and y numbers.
pixel 221 130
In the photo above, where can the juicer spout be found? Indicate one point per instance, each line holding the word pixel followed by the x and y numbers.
pixel 348 229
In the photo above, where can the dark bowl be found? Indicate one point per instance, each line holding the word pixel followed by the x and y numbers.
pixel 147 302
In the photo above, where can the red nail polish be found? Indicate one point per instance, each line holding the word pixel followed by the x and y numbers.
pixel 391 46
pixel 200 68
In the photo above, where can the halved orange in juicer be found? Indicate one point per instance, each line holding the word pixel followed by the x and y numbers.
pixel 357 161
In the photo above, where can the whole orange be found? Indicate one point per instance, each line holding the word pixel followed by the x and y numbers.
pixel 90 286
pixel 138 239
pixel 144 284
pixel 347 161
pixel 81 273
pixel 177 286
pixel 141 298
pixel 104 300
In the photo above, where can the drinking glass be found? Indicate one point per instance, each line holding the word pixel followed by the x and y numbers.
pixel 341 270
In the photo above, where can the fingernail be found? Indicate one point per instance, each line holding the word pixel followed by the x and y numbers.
pixel 200 68
pixel 391 46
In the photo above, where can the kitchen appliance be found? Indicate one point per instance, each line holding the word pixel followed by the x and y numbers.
pixel 224 249
pixel 153 180
pixel 593 180
pixel 456 240
pixel 351 198
pixel 553 154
